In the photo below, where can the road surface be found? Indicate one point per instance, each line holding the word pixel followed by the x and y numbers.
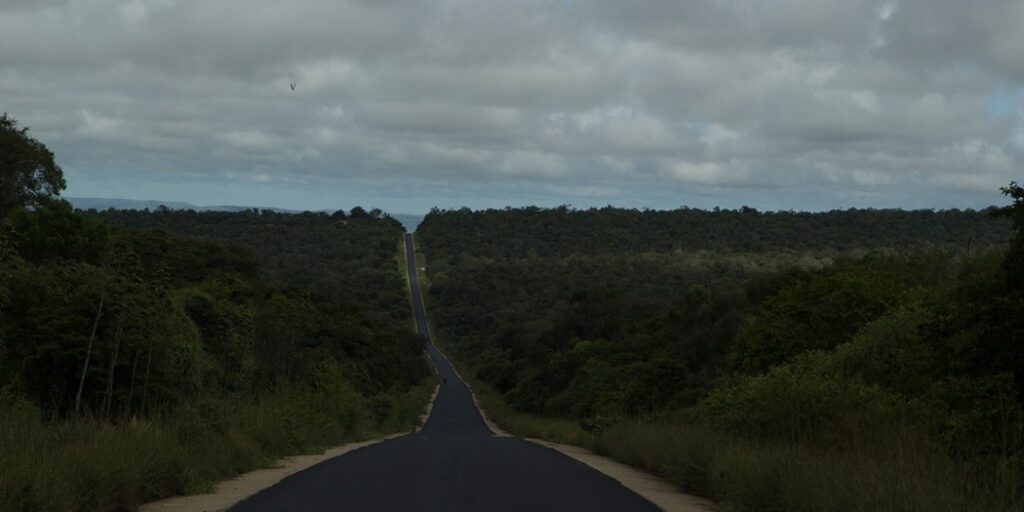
pixel 453 464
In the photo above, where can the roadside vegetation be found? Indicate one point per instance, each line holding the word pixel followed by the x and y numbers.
pixel 146 354
pixel 853 360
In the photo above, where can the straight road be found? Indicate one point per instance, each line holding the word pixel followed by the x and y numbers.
pixel 455 463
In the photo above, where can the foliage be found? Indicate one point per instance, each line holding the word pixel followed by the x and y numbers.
pixel 1015 258
pixel 339 259
pixel 903 473
pixel 54 231
pixel 88 465
pixel 137 363
pixel 28 174
pixel 1002 316
pixel 900 472
pixel 805 342
pixel 820 310
pixel 452 236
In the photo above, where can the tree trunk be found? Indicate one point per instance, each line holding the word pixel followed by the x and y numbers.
pixel 108 395
pixel 145 379
pixel 88 351
pixel 131 387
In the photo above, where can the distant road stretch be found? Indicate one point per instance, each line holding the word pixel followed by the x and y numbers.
pixel 453 464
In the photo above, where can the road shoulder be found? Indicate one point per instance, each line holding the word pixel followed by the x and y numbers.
pixel 663 494
pixel 227 493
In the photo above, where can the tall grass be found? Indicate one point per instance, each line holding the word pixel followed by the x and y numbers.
pixel 529 425
pixel 91 465
pixel 901 472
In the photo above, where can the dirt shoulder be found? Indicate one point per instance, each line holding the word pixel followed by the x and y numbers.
pixel 230 492
pixel 663 494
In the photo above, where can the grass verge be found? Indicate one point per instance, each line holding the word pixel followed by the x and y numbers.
pixel 90 465
pixel 901 473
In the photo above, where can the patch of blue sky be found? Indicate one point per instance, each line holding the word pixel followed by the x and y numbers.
pixel 1005 101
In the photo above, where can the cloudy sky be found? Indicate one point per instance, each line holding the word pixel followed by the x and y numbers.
pixel 404 105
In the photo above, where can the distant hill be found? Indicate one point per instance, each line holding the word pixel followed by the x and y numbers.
pixel 410 221
pixel 103 203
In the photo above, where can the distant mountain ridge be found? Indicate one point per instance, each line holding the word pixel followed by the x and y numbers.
pixel 410 221
pixel 103 203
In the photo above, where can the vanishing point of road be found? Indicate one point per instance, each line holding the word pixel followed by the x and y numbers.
pixel 455 463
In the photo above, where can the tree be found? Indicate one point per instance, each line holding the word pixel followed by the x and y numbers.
pixel 1015 257
pixel 1003 341
pixel 53 231
pixel 28 174
pixel 7 254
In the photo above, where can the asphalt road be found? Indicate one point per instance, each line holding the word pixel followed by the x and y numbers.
pixel 454 463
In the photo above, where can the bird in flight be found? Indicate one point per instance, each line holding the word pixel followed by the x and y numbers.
pixel 293 85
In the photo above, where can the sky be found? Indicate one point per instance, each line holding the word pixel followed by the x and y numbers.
pixel 407 105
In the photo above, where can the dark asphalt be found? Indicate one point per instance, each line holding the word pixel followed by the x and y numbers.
pixel 453 464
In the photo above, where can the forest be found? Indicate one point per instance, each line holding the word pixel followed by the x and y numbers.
pixel 847 360
pixel 150 353
pixel 851 360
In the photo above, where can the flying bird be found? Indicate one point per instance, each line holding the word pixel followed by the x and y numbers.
pixel 293 85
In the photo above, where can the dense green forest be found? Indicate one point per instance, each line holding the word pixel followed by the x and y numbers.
pixel 857 360
pixel 846 360
pixel 144 354
pixel 341 257
pixel 562 232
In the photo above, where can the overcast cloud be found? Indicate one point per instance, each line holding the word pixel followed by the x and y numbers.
pixel 782 104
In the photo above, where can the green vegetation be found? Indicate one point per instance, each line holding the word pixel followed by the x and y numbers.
pixel 116 465
pixel 145 354
pixel 857 360
pixel 28 173
pixel 338 257
pixel 561 232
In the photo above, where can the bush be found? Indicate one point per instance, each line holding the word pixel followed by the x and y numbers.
pixel 87 465
pixel 793 402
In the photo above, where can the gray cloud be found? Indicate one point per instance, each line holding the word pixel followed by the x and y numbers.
pixel 873 102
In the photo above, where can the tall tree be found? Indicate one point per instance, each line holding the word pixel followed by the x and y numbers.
pixel 92 341
pixel 7 253
pixel 1015 257
pixel 28 174
pixel 1004 321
